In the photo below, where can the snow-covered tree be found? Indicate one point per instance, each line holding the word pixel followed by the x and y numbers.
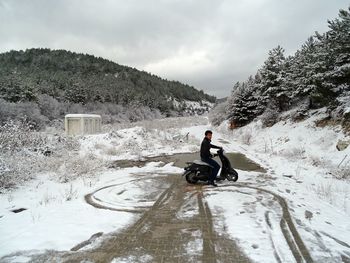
pixel 245 102
pixel 338 44
pixel 272 76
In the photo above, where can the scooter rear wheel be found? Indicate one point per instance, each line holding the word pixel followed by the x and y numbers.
pixel 190 178
pixel 232 175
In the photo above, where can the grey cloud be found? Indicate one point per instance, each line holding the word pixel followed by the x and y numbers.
pixel 208 44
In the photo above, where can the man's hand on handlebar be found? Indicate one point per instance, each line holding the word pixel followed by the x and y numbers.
pixel 216 154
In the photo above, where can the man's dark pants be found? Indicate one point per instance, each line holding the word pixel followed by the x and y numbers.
pixel 215 170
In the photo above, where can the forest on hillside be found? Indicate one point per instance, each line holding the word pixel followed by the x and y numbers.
pixel 316 76
pixel 42 85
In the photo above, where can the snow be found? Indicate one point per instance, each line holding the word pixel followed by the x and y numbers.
pixel 308 156
pixel 83 116
pixel 246 224
pixel 144 258
pixel 19 259
pixel 51 222
pixel 135 143
pixel 300 159
pixel 195 246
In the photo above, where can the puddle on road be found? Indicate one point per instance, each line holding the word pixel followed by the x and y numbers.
pixel 242 162
pixel 223 141
pixel 238 161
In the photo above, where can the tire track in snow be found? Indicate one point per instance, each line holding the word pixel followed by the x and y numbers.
pixel 295 242
pixel 160 234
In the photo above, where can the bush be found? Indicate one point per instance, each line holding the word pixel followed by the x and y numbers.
pixel 18 135
pixel 25 152
pixel 50 107
pixel 27 112
pixel 75 166
pixel 294 153
pixel 17 168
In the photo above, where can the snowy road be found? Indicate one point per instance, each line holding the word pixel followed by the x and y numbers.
pixel 182 223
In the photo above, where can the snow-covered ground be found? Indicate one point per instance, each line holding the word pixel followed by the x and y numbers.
pixel 302 161
pixel 299 158
pixel 57 215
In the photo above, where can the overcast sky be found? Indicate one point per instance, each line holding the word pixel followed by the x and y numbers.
pixel 205 43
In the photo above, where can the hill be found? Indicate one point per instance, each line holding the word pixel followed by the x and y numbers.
pixel 90 83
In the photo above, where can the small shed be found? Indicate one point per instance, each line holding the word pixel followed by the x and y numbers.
pixel 82 124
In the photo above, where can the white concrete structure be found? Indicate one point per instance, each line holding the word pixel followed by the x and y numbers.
pixel 81 124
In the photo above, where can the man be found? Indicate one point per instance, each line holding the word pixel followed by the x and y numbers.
pixel 206 156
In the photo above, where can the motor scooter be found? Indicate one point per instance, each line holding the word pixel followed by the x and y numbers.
pixel 200 171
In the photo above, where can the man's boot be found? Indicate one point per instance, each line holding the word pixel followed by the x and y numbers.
pixel 219 178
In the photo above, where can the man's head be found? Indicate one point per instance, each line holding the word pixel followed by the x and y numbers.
pixel 208 134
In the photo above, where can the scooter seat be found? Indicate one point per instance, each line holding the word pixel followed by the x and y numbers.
pixel 199 162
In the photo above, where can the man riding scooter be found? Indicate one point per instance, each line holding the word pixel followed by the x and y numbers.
pixel 206 156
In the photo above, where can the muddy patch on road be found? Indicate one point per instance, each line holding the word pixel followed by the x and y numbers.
pixel 238 161
pixel 223 141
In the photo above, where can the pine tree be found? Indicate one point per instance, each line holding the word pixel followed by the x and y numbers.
pixel 76 94
pixel 338 43
pixel 245 103
pixel 322 94
pixel 14 90
pixel 272 76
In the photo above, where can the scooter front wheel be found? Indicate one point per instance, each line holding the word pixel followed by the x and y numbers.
pixel 190 178
pixel 232 175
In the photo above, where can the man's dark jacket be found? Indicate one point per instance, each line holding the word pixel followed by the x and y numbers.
pixel 205 148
